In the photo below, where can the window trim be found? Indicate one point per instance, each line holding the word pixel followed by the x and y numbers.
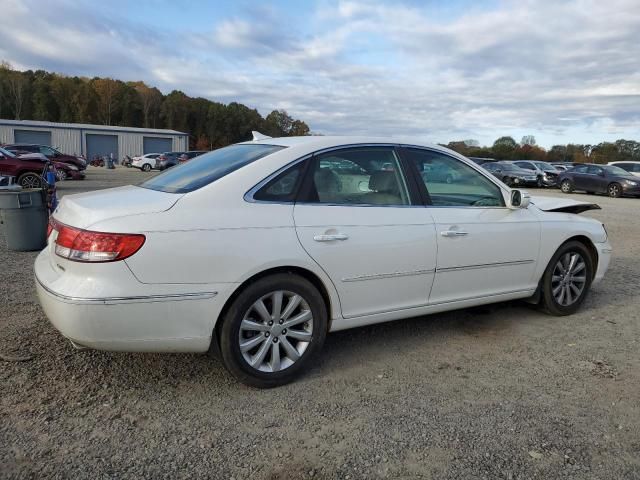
pixel 415 185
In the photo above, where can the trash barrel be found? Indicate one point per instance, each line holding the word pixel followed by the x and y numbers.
pixel 24 215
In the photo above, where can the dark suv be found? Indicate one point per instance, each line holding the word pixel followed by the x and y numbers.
pixel 28 168
pixel 49 152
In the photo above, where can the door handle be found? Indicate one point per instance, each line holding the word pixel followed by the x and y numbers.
pixel 453 233
pixel 330 238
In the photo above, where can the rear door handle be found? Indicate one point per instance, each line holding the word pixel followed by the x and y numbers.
pixel 330 238
pixel 454 233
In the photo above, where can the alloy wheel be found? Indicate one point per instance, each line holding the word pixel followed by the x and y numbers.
pixel 565 186
pixel 61 175
pixel 569 278
pixel 614 190
pixel 30 180
pixel 275 331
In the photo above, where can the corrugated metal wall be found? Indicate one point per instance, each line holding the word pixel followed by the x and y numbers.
pixel 73 141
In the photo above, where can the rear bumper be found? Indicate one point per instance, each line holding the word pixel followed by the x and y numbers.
pixel 150 319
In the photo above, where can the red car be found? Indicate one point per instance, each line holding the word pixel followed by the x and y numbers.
pixel 49 152
pixel 28 168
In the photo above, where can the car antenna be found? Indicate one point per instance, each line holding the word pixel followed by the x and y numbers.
pixel 258 136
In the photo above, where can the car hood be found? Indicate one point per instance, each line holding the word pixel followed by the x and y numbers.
pixel 85 209
pixel 33 156
pixel 567 205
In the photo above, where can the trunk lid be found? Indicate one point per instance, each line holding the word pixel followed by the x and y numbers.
pixel 85 209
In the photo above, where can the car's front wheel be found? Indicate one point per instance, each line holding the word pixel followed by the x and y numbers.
pixel 566 186
pixel 272 330
pixel 146 167
pixel 61 175
pixel 567 279
pixel 614 190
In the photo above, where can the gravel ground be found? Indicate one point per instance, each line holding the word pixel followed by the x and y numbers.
pixel 499 392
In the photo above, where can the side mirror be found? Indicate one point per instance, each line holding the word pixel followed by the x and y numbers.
pixel 519 199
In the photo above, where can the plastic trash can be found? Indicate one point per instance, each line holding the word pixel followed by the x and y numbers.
pixel 24 215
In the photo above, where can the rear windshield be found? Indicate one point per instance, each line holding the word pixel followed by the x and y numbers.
pixel 207 168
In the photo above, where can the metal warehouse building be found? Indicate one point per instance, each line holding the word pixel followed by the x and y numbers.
pixel 92 140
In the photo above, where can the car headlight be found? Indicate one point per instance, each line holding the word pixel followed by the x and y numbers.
pixel 631 183
pixel 72 167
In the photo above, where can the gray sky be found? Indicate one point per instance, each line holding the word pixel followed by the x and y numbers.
pixel 564 71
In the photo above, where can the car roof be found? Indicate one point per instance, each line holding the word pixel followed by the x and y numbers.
pixel 327 141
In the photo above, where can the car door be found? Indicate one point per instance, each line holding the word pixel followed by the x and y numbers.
pixel 484 248
pixel 8 164
pixel 594 179
pixel 358 217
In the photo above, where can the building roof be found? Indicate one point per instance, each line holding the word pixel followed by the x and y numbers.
pixel 86 126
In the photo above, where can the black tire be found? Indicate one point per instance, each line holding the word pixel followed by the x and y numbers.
pixel 614 190
pixel 229 332
pixel 507 181
pixel 548 301
pixel 566 186
pixel 146 167
pixel 30 180
pixel 539 182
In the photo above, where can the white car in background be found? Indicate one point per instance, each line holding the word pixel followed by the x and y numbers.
pixel 146 162
pixel 631 166
pixel 256 251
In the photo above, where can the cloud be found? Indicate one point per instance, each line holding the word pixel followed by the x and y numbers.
pixel 480 70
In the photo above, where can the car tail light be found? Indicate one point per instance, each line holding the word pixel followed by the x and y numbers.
pixel 87 246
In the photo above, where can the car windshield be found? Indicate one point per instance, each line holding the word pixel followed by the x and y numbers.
pixel 6 153
pixel 613 170
pixel 208 168
pixel 545 166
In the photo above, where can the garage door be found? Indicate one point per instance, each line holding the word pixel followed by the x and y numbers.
pixel 40 137
pixel 101 145
pixel 156 145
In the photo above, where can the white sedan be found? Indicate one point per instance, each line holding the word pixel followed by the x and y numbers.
pixel 145 162
pixel 256 251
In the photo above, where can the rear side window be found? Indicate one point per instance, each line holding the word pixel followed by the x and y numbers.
pixel 282 188
pixel 208 168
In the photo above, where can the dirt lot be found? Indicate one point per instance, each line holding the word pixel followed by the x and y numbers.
pixel 504 392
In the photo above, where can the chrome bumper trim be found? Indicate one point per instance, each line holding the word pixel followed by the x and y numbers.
pixel 169 297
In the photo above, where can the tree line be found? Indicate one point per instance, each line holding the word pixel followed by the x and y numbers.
pixel 506 148
pixel 41 95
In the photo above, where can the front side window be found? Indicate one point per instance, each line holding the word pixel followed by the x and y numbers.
pixel 452 183
pixel 208 168
pixel 525 165
pixel 49 152
pixel 356 176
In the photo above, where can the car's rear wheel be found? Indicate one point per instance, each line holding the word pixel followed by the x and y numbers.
pixel 29 180
pixel 566 186
pixel 272 330
pixel 567 279
pixel 146 167
pixel 614 190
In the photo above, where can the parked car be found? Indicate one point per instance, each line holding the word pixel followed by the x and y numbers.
pixel 145 162
pixel 167 160
pixel 511 174
pixel 547 174
pixel 49 152
pixel 631 166
pixel 592 178
pixel 186 156
pixel 28 168
pixel 259 249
